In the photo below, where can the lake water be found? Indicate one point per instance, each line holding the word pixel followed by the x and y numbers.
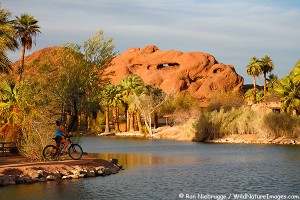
pixel 163 169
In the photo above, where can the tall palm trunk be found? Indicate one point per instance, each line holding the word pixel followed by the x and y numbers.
pixel 106 110
pixel 116 119
pixel 21 67
pixel 131 121
pixel 139 121
pixel 265 87
pixel 127 117
pixel 254 88
pixel 155 120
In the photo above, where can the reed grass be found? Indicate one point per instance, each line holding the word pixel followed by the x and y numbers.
pixel 243 120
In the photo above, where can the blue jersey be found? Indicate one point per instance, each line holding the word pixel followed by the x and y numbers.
pixel 58 132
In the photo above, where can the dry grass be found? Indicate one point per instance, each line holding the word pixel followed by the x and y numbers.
pixel 243 120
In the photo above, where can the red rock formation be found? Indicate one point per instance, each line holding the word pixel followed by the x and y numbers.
pixel 175 71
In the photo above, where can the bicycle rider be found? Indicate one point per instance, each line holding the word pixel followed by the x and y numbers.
pixel 60 134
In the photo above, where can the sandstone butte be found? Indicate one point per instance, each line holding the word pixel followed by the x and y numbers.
pixel 174 71
pixel 197 73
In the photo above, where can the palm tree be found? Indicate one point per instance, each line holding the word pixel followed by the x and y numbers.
pixel 267 66
pixel 9 98
pixel 254 70
pixel 272 80
pixel 26 28
pixel 7 38
pixel 131 85
pixel 291 94
pixel 105 96
pixel 115 101
pixel 111 98
pixel 289 88
pixel 296 73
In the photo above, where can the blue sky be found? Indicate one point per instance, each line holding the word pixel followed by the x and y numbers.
pixel 231 30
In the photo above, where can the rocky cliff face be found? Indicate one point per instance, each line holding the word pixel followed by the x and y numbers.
pixel 174 71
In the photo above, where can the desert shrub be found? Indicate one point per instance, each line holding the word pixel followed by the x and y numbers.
pixel 280 124
pixel 225 101
pixel 204 127
pixel 37 132
pixel 297 128
pixel 181 108
pixel 245 121
pixel 188 130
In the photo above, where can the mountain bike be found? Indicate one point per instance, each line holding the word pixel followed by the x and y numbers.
pixel 53 152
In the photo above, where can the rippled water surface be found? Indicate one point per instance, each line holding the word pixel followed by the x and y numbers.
pixel 163 169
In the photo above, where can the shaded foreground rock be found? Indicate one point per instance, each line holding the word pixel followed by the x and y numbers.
pixel 51 171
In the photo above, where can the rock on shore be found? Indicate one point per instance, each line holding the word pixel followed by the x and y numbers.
pixel 50 171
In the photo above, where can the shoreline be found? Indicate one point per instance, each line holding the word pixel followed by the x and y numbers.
pixel 33 172
pixel 250 139
pixel 174 133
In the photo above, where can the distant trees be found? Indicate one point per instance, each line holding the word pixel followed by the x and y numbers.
pixel 148 103
pixel 131 85
pixel 26 28
pixel 266 66
pixel 254 70
pixel 257 67
pixel 111 96
pixel 138 99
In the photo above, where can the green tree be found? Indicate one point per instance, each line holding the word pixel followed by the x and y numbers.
pixel 81 76
pixel 149 102
pixel 289 88
pixel 131 85
pixel 7 39
pixel 272 81
pixel 111 97
pixel 116 102
pixel 267 66
pixel 291 95
pixel 259 96
pixel 9 102
pixel 296 73
pixel 26 28
pixel 254 70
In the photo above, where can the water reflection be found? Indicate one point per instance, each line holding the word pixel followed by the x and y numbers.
pixel 161 169
pixel 131 160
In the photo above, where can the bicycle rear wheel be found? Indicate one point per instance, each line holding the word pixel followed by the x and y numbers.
pixel 75 151
pixel 50 152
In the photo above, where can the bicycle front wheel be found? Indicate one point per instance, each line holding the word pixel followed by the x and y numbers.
pixel 75 151
pixel 50 152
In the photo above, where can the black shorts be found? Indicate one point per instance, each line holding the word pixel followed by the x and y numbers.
pixel 58 139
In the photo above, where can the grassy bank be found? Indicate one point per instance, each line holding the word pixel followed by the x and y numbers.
pixel 238 122
pixel 218 124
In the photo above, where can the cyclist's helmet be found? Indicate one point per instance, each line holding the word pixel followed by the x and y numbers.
pixel 58 122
